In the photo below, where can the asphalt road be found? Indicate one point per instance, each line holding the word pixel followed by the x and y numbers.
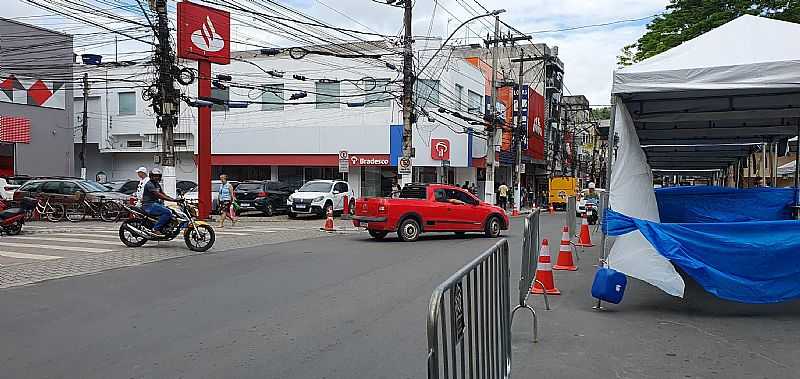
pixel 347 307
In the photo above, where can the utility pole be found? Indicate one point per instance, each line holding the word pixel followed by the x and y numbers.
pixel 85 123
pixel 519 132
pixel 408 90
pixel 166 104
pixel 491 133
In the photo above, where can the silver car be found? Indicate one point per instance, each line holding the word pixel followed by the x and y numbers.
pixel 191 196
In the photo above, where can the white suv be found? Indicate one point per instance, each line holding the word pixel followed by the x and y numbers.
pixel 317 196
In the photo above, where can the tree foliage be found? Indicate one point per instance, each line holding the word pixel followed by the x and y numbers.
pixel 603 113
pixel 684 20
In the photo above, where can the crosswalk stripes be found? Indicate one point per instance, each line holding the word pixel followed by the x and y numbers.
pixel 38 257
pixel 54 247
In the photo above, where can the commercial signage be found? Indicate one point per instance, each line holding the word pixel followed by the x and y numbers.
pixel 404 166
pixel 440 149
pixel 204 34
pixel 357 161
pixel 536 123
pixel 344 161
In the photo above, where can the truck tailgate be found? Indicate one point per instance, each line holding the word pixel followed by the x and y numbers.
pixel 368 206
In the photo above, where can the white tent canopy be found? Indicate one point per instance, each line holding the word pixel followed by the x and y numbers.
pixel 699 106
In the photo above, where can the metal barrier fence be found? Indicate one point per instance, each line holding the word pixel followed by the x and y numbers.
pixel 571 217
pixel 469 323
pixel 531 241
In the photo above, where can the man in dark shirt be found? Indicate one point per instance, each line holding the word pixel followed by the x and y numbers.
pixel 152 201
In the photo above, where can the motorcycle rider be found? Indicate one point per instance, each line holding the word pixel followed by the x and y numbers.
pixel 152 202
pixel 141 172
pixel 592 194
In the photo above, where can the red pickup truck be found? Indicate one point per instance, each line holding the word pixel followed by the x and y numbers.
pixel 428 208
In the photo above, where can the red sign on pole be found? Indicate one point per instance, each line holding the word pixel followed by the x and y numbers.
pixel 440 149
pixel 204 34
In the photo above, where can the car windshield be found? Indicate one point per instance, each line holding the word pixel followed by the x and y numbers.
pixel 90 186
pixel 245 187
pixel 316 187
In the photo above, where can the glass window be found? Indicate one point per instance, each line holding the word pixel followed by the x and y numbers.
pixel 316 187
pixel 459 95
pixel 378 96
pixel 127 103
pixel 413 192
pixel 273 93
pixel 291 174
pixel 31 187
pixel 440 195
pixel 327 95
pixel 69 188
pixel 341 187
pixel 474 102
pixel 246 187
pixel 427 92
pixel 92 186
pixel 220 94
pixel 129 187
pixel 461 196
pixel 51 187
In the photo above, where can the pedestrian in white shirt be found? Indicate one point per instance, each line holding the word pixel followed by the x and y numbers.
pixel 141 172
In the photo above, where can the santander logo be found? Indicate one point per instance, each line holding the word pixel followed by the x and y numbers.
pixel 207 38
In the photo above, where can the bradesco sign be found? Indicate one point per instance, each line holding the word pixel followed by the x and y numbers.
pixel 204 34
pixel 368 160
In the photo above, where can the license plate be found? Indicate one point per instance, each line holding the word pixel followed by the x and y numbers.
pixel 245 203
pixel 300 206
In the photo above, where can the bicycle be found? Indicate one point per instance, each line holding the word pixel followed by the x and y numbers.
pixel 107 210
pixel 54 212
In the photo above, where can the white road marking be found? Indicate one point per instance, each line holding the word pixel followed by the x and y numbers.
pixel 93 235
pixel 57 239
pixel 52 247
pixel 37 257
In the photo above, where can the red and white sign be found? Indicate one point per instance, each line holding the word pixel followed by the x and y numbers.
pixel 15 129
pixel 369 160
pixel 440 149
pixel 204 34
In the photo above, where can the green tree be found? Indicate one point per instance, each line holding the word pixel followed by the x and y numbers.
pixel 602 113
pixel 684 20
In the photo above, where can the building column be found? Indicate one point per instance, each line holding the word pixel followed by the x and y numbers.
pixel 273 173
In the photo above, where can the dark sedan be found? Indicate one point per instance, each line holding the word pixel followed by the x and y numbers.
pixel 267 197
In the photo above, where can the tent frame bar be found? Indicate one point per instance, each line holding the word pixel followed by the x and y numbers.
pixel 615 100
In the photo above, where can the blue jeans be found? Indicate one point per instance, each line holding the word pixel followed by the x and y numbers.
pixel 158 210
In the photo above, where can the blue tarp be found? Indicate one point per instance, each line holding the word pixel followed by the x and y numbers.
pixel 749 262
pixel 722 204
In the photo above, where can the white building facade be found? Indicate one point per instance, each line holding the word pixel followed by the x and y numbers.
pixel 348 104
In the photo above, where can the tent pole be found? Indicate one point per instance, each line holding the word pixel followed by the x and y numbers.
pixel 796 173
pixel 615 102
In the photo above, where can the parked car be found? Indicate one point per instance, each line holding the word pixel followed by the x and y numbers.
pixel 422 208
pixel 267 197
pixel 184 186
pixel 127 187
pixel 67 190
pixel 10 184
pixel 191 195
pixel 317 196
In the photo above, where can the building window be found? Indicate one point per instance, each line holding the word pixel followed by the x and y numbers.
pixel 180 143
pixel 220 94
pixel 134 143
pixel 427 92
pixel 327 95
pixel 459 95
pixel 474 102
pixel 127 103
pixel 273 93
pixel 378 96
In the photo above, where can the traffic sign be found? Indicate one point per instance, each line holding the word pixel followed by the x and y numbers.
pixel 404 166
pixel 344 161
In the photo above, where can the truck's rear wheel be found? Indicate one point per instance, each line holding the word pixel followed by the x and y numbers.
pixel 409 230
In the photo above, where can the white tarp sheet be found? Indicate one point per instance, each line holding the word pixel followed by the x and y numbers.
pixel 632 194
pixel 747 53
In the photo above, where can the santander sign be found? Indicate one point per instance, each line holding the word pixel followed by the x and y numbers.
pixel 204 33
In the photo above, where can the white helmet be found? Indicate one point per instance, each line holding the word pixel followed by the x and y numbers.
pixel 142 170
pixel 155 171
pixel 591 185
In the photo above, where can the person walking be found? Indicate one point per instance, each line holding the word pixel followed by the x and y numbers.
pixel 226 198
pixel 503 196
pixel 141 172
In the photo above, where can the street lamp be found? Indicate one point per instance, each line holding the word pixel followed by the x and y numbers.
pixel 492 13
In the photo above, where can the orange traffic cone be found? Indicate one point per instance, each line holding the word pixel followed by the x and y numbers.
pixel 584 239
pixel 544 274
pixel 329 221
pixel 515 212
pixel 564 261
pixel 552 209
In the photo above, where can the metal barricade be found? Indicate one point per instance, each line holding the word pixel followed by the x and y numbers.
pixel 570 218
pixel 531 241
pixel 601 213
pixel 469 323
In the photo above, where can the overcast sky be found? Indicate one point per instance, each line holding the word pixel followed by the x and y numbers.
pixel 589 54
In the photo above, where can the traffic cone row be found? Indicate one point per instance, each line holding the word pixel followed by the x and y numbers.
pixel 564 261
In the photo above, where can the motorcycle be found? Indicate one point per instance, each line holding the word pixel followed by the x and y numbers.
pixel 12 219
pixel 137 229
pixel 592 211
